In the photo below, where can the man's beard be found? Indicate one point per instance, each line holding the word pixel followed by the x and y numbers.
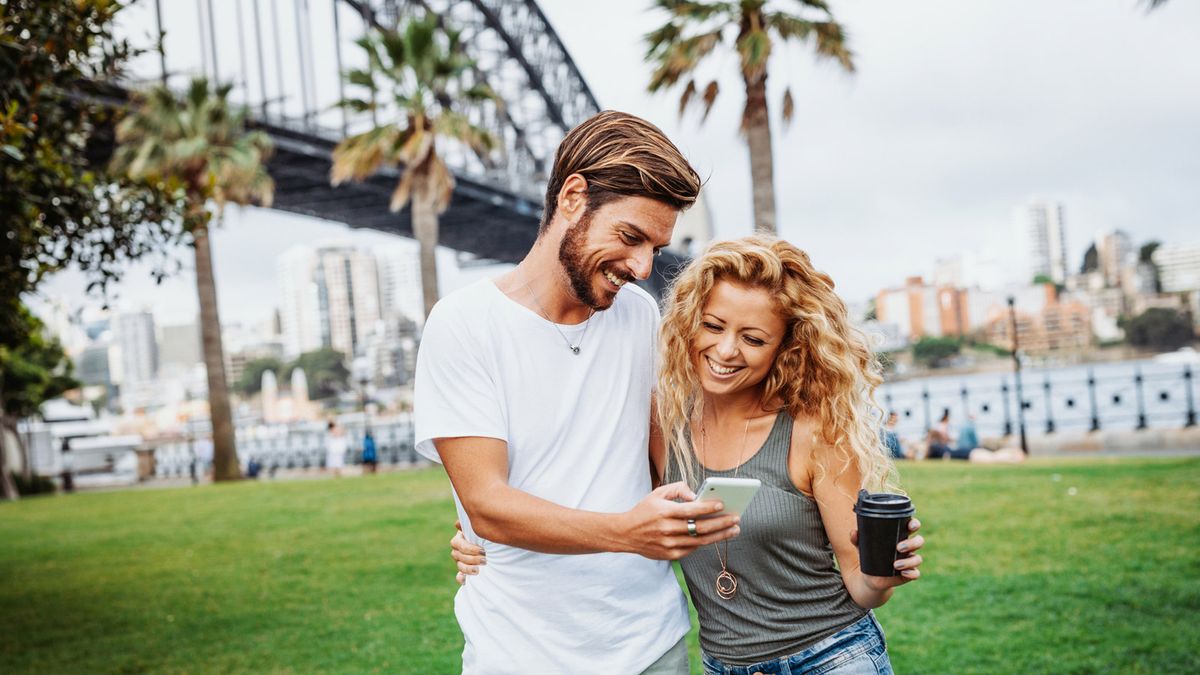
pixel 571 257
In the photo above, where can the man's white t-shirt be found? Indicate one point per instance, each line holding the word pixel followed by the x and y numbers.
pixel 577 429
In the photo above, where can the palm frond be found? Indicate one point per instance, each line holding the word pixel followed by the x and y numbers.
pixel 441 183
pixel 754 49
pixel 682 57
pixel 788 26
pixel 361 155
pixel 816 4
pixel 664 35
pixel 831 44
pixel 361 78
pixel 710 97
pixel 693 11
pixel 402 192
pixel 357 105
pixel 688 92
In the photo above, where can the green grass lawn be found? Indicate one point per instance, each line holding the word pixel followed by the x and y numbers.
pixel 1023 574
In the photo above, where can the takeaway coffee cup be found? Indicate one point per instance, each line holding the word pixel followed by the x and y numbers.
pixel 882 523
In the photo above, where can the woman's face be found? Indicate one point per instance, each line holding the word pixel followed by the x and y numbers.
pixel 740 334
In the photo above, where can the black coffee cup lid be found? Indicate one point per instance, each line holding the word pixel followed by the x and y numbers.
pixel 883 504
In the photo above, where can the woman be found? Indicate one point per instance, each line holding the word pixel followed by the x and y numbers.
pixel 763 377
pixel 335 448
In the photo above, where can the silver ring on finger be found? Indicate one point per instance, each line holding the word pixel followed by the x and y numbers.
pixel 692 528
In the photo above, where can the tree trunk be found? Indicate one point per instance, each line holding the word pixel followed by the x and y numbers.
pixel 762 169
pixel 225 461
pixel 425 229
pixel 8 489
pixel 26 454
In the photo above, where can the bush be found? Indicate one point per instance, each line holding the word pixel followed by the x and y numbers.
pixel 935 351
pixel 39 485
pixel 1159 328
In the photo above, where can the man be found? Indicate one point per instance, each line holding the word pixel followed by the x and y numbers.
pixel 534 391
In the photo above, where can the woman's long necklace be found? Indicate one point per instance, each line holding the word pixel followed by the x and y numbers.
pixel 573 347
pixel 726 582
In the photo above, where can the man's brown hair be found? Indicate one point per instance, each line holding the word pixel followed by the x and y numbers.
pixel 621 155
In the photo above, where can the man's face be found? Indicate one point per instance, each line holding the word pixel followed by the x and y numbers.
pixel 613 245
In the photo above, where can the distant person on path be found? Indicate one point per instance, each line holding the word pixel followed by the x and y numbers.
pixel 968 439
pixel 68 467
pixel 335 448
pixel 370 459
pixel 533 389
pixel 891 440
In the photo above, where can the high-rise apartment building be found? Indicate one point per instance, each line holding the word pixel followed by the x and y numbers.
pixel 1115 253
pixel 920 310
pixel 179 345
pixel 330 298
pixel 1178 267
pixel 1042 228
pixel 400 282
pixel 134 334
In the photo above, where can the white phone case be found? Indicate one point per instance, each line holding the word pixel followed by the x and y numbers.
pixel 734 493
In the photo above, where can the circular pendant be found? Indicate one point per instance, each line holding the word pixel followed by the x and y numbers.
pixel 574 349
pixel 726 585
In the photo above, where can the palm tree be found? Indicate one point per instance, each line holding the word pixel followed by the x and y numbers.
pixel 697 27
pixel 420 76
pixel 200 145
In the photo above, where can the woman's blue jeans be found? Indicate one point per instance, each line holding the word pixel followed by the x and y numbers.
pixel 857 649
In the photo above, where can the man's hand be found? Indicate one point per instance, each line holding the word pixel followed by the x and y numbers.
pixel 467 556
pixel 657 527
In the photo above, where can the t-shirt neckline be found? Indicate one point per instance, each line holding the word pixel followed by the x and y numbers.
pixel 538 315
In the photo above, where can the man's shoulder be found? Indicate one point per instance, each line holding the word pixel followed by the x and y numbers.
pixel 640 301
pixel 469 302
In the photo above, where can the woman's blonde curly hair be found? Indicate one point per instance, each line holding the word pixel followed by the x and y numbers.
pixel 824 368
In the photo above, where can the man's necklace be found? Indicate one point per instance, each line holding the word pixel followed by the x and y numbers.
pixel 726 582
pixel 541 310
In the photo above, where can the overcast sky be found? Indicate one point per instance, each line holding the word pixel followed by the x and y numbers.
pixel 959 112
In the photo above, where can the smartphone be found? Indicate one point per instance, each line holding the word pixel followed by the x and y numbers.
pixel 735 493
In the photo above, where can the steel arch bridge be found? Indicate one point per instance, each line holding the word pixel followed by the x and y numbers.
pixel 285 59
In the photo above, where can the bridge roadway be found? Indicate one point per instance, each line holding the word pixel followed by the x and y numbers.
pixel 482 220
pixel 488 223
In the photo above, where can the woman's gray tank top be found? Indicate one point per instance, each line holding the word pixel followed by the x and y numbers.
pixel 789 595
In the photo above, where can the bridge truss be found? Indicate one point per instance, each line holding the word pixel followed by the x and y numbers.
pixel 285 58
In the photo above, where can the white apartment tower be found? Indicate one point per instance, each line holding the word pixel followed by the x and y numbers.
pixel 1115 252
pixel 138 346
pixel 330 298
pixel 1178 267
pixel 400 282
pixel 1041 225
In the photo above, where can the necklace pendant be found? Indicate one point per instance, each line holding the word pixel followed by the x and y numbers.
pixel 574 349
pixel 726 585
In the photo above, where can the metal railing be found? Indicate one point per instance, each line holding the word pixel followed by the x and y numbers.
pixel 1073 400
pixel 295 448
